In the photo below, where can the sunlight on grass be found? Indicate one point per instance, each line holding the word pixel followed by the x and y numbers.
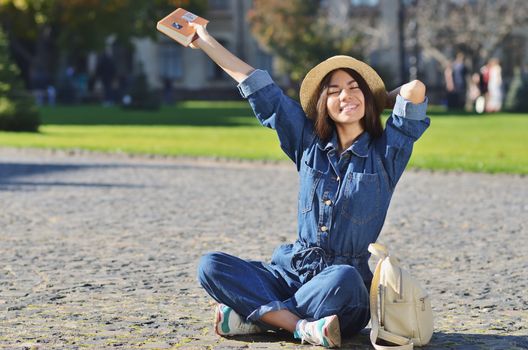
pixel 226 142
pixel 489 143
pixel 484 143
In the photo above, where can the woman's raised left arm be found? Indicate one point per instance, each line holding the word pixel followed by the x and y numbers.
pixel 406 124
pixel 413 91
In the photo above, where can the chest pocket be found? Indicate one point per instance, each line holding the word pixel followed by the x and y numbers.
pixel 362 197
pixel 309 179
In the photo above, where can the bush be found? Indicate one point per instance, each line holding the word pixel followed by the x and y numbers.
pixel 516 100
pixel 140 96
pixel 18 111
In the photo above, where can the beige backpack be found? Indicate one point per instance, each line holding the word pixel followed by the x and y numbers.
pixel 400 309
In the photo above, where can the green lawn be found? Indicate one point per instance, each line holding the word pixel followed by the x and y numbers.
pixel 488 143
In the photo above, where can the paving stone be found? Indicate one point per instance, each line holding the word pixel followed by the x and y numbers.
pixel 101 251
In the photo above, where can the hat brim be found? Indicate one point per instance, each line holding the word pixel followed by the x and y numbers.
pixel 312 80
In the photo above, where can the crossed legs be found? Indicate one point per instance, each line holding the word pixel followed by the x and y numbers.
pixel 261 294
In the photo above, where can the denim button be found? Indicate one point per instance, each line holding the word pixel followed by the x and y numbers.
pixel 328 202
pixel 324 228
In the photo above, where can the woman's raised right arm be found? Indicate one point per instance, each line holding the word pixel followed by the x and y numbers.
pixel 271 106
pixel 232 65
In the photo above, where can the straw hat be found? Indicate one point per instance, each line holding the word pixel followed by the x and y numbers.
pixel 310 84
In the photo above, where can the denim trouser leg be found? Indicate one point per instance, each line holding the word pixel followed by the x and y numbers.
pixel 243 285
pixel 337 290
pixel 251 290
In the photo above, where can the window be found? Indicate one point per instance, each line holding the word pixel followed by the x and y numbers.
pixel 364 2
pixel 170 55
pixel 219 5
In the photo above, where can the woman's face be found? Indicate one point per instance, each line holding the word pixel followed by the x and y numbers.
pixel 345 102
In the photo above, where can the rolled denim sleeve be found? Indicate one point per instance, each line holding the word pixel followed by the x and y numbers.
pixel 404 127
pixel 277 111
pixel 254 82
pixel 409 110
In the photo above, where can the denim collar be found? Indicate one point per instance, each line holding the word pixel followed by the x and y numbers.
pixel 359 147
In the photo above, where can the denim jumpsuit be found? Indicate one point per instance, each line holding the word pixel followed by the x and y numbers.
pixel 342 204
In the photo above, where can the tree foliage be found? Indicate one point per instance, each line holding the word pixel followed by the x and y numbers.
pixel 475 27
pixel 300 34
pixel 85 24
pixel 42 30
pixel 516 100
pixel 17 107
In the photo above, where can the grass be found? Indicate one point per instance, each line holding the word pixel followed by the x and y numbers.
pixel 466 142
pixel 496 143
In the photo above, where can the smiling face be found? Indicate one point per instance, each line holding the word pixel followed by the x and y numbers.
pixel 345 101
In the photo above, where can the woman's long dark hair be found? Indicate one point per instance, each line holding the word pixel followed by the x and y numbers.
pixel 324 125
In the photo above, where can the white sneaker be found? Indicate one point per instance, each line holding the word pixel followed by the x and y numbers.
pixel 228 322
pixel 323 332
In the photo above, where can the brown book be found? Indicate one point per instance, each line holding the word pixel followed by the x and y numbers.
pixel 176 26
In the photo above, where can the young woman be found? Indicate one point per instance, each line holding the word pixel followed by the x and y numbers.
pixel 317 288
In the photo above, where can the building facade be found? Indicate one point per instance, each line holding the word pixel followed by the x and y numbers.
pixel 190 74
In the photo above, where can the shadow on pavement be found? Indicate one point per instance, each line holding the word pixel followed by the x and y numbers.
pixel 443 340
pixel 29 184
pixel 11 169
pixel 440 340
pixel 18 174
pixel 11 172
pixel 358 342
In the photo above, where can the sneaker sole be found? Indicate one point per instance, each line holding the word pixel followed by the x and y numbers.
pixel 332 332
pixel 218 320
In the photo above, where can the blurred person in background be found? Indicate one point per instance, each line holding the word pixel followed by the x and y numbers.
pixel 476 99
pixel 106 72
pixel 495 94
pixel 455 79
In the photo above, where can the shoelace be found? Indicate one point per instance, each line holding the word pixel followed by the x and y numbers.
pixel 241 325
pixel 308 333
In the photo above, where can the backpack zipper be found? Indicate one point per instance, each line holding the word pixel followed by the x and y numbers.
pixel 381 295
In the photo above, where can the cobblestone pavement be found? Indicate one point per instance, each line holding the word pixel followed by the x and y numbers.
pixel 101 251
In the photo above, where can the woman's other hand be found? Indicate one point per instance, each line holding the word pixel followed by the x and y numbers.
pixel 202 33
pixel 413 91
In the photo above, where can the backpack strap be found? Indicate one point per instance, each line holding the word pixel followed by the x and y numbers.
pixel 376 331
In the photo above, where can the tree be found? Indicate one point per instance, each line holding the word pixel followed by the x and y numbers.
pixel 516 100
pixel 475 27
pixel 302 33
pixel 17 107
pixel 41 31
